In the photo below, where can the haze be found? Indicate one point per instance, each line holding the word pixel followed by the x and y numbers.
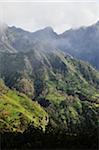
pixel 61 16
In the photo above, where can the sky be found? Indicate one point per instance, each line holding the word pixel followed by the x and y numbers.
pixel 60 15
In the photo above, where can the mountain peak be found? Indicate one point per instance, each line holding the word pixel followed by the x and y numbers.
pixel 48 29
pixel 17 29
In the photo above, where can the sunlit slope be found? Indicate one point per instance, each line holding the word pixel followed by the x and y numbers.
pixel 66 88
pixel 17 111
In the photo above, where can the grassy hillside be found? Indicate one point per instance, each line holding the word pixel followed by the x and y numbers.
pixel 17 111
pixel 66 88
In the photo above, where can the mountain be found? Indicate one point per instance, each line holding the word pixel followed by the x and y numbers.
pixel 17 40
pixel 67 89
pixel 81 43
pixel 45 86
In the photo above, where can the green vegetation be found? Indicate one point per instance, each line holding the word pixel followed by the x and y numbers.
pixel 18 111
pixel 53 87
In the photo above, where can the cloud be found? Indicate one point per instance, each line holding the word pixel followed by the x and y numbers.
pixel 61 16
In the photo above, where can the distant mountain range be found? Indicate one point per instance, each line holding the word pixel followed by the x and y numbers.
pixel 81 43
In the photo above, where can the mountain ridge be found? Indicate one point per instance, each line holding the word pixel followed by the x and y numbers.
pixel 53 89
pixel 81 43
pixel 56 82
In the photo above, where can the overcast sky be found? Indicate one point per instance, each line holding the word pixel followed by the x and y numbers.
pixel 59 15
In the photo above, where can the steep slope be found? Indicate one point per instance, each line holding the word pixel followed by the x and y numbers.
pixel 68 89
pixel 17 111
pixel 17 40
pixel 81 43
